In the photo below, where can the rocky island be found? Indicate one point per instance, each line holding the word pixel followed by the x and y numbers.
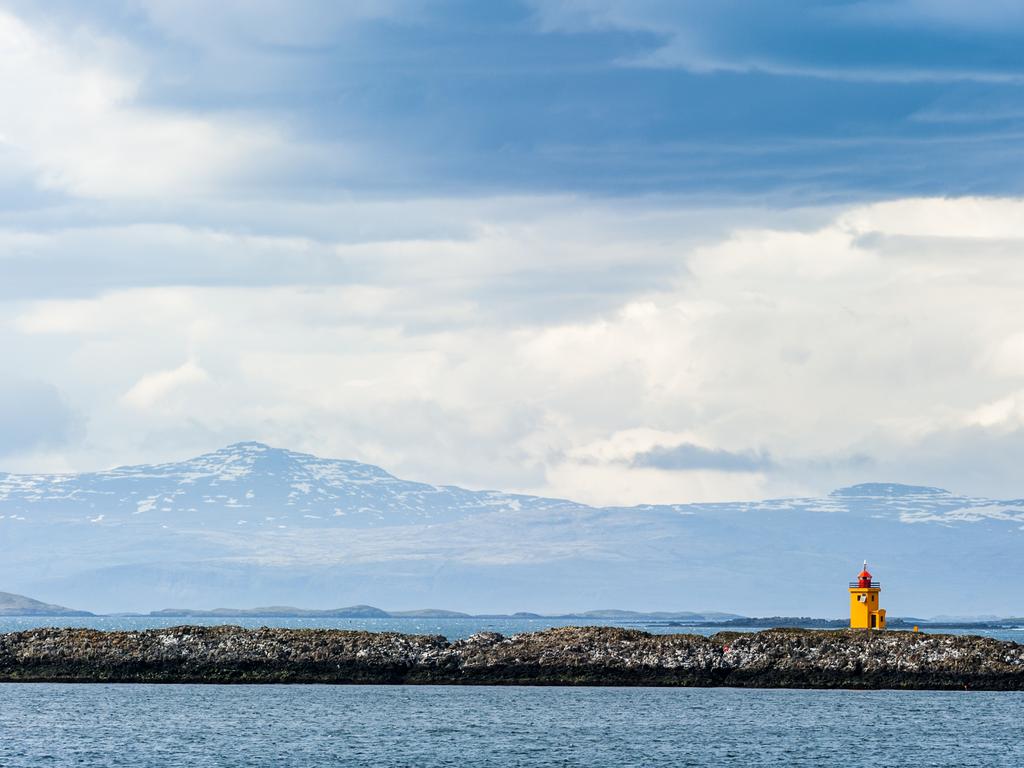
pixel 790 658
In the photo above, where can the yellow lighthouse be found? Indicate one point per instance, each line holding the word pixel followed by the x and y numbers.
pixel 864 610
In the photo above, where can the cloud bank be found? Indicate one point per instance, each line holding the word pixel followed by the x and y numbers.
pixel 878 342
pixel 618 252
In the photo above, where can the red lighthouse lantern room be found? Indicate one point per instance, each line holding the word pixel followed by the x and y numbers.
pixel 864 578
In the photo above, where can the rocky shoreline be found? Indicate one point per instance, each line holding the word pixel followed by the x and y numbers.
pixel 778 658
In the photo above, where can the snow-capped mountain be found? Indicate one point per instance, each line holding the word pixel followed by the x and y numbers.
pixel 248 484
pixel 250 524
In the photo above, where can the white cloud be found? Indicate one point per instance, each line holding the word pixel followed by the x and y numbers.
pixel 71 120
pixel 619 485
pixel 602 472
pixel 154 387
pixel 962 217
pixel 33 416
pixel 453 244
pixel 1004 414
pixel 853 349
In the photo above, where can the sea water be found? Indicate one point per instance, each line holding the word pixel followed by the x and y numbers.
pixel 312 726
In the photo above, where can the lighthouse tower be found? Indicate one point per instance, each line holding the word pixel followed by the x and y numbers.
pixel 864 610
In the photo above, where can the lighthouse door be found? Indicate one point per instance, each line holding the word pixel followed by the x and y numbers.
pixel 874 621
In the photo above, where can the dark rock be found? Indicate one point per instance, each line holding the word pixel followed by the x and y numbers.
pixel 792 658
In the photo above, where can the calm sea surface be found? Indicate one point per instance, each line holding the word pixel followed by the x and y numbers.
pixel 228 726
pixel 144 725
pixel 453 629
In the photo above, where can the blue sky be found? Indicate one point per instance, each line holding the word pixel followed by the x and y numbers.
pixel 806 101
pixel 623 251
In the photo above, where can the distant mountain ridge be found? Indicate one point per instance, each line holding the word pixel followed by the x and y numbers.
pixel 253 525
pixel 12 605
pixel 254 485
pixel 19 605
pixel 279 611
pixel 371 612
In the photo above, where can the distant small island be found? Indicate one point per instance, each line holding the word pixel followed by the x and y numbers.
pixel 663 618
pixel 779 658
pixel 12 605
pixel 20 605
pixel 372 612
